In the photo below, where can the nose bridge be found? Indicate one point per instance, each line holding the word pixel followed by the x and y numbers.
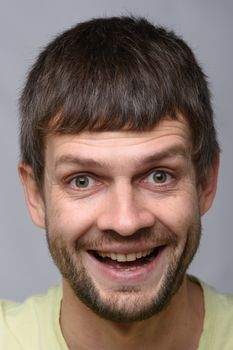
pixel 123 211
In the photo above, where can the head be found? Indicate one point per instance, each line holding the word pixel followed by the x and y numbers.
pixel 115 74
pixel 120 87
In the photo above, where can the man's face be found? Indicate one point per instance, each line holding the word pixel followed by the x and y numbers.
pixel 122 216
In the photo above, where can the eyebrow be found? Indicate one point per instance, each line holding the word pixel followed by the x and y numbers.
pixel 77 160
pixel 175 151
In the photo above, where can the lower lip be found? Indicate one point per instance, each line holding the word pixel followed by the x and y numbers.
pixel 128 275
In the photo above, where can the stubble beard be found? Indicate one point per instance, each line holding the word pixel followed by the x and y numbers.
pixel 128 304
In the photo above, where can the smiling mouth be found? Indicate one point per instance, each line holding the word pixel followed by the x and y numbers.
pixel 127 261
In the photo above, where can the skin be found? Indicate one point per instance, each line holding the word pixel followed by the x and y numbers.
pixel 122 199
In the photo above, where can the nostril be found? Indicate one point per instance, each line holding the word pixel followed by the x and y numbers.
pixel 125 225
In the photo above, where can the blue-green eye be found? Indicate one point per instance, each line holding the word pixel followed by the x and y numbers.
pixel 159 177
pixel 82 181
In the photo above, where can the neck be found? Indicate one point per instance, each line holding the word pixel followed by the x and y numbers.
pixel 178 326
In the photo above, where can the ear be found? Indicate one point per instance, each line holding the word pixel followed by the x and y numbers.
pixel 33 195
pixel 208 186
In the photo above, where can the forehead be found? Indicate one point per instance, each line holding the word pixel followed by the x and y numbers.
pixel 166 135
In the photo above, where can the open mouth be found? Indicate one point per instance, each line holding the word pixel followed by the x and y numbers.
pixel 127 261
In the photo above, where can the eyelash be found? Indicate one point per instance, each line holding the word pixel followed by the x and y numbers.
pixel 87 176
pixel 156 185
pixel 162 185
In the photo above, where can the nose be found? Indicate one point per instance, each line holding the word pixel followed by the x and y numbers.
pixel 124 213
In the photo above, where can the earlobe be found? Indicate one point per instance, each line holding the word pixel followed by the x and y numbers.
pixel 33 196
pixel 208 186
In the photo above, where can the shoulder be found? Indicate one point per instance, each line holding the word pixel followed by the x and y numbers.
pixel 32 308
pixel 23 325
pixel 216 302
pixel 218 322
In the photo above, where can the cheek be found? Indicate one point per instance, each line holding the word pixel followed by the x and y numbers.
pixel 70 218
pixel 179 212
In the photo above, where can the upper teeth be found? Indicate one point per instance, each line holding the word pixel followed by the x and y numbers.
pixel 125 257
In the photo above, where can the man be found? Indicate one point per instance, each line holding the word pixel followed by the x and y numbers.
pixel 119 160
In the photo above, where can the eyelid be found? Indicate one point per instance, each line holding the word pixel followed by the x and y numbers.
pixel 162 184
pixel 161 171
pixel 82 176
pixel 68 181
pixel 70 177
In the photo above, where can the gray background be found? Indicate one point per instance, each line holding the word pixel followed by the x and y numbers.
pixel 25 27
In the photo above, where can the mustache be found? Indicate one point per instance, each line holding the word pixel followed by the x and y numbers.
pixel 101 239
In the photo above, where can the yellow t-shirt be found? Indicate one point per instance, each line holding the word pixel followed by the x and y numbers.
pixel 34 325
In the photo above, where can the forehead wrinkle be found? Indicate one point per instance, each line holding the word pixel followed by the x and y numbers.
pixel 174 151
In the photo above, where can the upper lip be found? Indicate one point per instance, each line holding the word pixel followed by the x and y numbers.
pixel 126 249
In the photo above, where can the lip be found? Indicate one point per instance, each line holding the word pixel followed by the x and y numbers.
pixel 126 249
pixel 126 276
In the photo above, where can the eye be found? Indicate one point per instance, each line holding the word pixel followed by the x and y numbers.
pixel 82 182
pixel 159 177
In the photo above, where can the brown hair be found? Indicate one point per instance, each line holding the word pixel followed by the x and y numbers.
pixel 110 74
